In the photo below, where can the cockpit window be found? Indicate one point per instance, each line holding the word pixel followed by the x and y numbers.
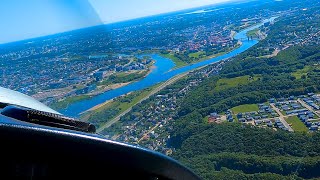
pixel 228 88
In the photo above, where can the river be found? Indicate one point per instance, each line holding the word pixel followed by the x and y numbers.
pixel 160 73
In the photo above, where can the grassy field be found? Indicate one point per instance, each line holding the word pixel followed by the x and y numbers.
pixel 126 105
pixel 235 118
pixel 206 119
pixel 118 78
pixel 113 108
pixel 245 108
pixel 297 125
pixel 176 60
pixel 69 100
pixel 122 74
pixel 122 78
pixel 226 83
pixel 252 32
pixel 217 54
pixel 194 57
pixel 298 74
pixel 196 54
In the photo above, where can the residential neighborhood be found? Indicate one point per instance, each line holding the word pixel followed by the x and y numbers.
pixel 82 78
pixel 295 113
pixel 151 125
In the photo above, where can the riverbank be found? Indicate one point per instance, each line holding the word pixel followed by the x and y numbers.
pixel 219 54
pixel 155 90
pixel 179 63
pixel 64 103
pixel 108 88
pixel 160 74
pixel 104 112
pixel 104 86
pixel 97 107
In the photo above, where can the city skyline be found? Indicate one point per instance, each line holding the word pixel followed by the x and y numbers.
pixel 122 10
pixel 23 20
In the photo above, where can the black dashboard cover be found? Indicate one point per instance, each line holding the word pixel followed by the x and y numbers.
pixel 40 152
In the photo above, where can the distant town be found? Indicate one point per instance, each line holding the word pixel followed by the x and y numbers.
pixel 299 113
pixel 247 108
pixel 150 126
pixel 75 63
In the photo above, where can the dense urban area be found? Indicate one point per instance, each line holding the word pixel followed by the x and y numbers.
pixel 252 116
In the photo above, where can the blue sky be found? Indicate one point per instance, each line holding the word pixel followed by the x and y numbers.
pixel 119 10
pixel 24 19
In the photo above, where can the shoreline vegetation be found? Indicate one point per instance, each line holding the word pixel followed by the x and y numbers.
pixel 159 87
pixel 111 108
pixel 195 57
pixel 69 100
pixel 178 64
pixel 98 108
pixel 113 82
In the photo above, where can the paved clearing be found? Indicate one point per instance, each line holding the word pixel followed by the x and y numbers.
pixel 281 117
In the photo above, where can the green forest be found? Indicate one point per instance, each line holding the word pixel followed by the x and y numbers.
pixel 275 80
pixel 245 151
pixel 236 151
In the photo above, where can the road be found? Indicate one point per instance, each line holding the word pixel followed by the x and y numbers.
pixel 156 90
pixel 163 85
pixel 281 118
pixel 308 107
pixel 152 129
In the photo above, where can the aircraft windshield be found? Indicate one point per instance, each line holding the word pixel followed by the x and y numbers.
pixel 228 88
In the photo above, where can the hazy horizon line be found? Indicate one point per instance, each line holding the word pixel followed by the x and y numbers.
pixel 120 21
